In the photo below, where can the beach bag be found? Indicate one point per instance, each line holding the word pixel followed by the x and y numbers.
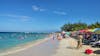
pixel 88 51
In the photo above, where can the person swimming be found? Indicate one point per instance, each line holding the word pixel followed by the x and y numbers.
pixel 21 38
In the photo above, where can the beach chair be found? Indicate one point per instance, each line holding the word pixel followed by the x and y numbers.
pixel 96 44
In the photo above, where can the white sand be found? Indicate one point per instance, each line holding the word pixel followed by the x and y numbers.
pixel 67 47
pixel 23 47
pixel 45 47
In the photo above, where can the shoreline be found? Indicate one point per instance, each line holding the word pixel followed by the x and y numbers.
pixel 22 47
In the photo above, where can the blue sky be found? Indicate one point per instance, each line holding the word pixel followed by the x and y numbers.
pixel 46 15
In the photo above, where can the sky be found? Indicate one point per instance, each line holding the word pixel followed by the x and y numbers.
pixel 46 15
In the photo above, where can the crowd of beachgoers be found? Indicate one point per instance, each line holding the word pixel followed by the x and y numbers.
pixel 90 39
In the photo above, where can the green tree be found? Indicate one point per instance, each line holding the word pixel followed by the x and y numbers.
pixel 95 25
pixel 74 26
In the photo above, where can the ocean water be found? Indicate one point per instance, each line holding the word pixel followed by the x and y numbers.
pixel 12 39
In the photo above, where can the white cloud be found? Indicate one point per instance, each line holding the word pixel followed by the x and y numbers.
pixel 42 9
pixel 37 8
pixel 17 16
pixel 22 18
pixel 60 12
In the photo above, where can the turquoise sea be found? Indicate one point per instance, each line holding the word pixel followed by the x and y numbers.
pixel 12 39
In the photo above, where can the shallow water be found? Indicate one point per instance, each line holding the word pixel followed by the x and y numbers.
pixel 12 39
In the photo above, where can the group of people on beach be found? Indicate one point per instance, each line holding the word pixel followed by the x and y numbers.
pixel 59 36
pixel 81 38
pixel 92 39
pixel 63 35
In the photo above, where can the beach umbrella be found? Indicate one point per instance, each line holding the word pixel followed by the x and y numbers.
pixel 68 33
pixel 87 31
pixel 63 32
pixel 96 29
pixel 83 31
pixel 91 30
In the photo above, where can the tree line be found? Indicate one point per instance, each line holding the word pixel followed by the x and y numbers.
pixel 79 26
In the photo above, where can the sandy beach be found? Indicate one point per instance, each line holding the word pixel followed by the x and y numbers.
pixel 50 47
pixel 44 47
pixel 67 47
pixel 49 27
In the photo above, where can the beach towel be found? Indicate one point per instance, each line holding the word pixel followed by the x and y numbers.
pixel 88 51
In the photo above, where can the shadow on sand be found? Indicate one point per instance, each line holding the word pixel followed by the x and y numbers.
pixel 97 52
